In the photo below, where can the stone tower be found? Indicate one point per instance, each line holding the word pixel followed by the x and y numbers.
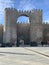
pixel 35 19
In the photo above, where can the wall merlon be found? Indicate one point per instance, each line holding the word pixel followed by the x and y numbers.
pixel 11 9
pixel 21 11
pixel 37 10
pixel 1 25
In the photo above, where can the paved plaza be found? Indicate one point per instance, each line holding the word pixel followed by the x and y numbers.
pixel 24 56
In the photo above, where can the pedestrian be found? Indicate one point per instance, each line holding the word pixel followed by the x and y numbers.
pixel 48 43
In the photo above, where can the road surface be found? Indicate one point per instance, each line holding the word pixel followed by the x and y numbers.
pixel 24 56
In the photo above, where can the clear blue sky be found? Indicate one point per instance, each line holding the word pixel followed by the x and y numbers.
pixel 25 5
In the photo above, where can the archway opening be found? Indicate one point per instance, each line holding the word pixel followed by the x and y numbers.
pixel 23 29
pixel 23 19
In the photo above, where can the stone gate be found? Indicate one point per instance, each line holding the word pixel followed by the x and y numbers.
pixel 35 19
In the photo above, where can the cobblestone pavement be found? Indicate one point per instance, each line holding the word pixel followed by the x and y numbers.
pixel 24 56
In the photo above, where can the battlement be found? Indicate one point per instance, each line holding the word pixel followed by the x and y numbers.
pixel 21 11
pixel 33 10
pixel 45 23
pixel 36 10
pixel 22 22
pixel 11 9
pixel 1 25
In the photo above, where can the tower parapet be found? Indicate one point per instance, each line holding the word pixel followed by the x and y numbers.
pixel 11 9
pixel 35 10
pixel 21 11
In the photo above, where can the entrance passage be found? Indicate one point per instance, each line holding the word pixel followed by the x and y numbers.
pixel 23 27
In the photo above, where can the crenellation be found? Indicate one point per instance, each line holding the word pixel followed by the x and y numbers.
pixel 27 11
pixel 43 22
pixel 31 11
pixel 1 25
pixel 21 11
pixel 37 10
pixel 10 9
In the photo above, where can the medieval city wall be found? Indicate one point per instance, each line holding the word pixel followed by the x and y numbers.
pixel 46 31
pixel 1 33
pixel 35 19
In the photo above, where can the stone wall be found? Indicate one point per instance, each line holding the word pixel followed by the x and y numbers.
pixel 36 28
pixel 45 31
pixel 35 19
pixel 10 26
pixel 1 33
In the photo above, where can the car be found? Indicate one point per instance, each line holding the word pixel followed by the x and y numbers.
pixel 33 43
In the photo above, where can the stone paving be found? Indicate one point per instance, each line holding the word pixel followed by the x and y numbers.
pixel 43 50
pixel 23 56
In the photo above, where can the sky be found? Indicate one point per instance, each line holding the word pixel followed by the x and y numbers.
pixel 25 5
